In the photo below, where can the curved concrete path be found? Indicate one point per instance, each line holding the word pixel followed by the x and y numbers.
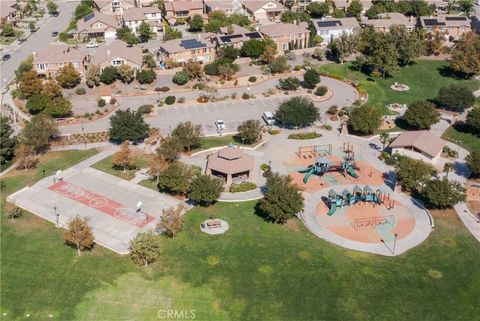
pixel 418 235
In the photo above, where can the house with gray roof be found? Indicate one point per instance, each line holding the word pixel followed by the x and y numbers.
pixel 386 20
pixel 200 48
pixel 420 144
pixel 97 25
pixel 451 26
pixel 133 17
pixel 234 36
pixel 116 54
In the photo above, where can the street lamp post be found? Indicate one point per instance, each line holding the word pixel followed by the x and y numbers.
pixel 57 216
pixel 43 173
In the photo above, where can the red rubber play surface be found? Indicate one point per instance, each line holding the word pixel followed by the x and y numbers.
pixel 102 204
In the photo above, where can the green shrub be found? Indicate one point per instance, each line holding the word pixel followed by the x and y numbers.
pixel 328 127
pixel 245 96
pixel 321 90
pixel 163 89
pixel 264 167
pixel 252 79
pixel 242 187
pixel 180 78
pixel 310 135
pixel 169 100
pixel 146 76
pixel 297 67
pixel 80 91
pixel 274 131
pixel 101 102
pixel 145 109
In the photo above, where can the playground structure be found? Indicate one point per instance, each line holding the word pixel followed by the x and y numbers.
pixel 358 194
pixel 323 165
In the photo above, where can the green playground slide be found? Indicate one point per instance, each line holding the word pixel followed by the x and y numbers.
pixel 352 172
pixel 332 209
pixel 310 172
pixel 376 199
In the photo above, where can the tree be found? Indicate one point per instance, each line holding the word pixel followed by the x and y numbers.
pixel 177 177
pixel 227 69
pixel 205 190
pixel 38 132
pixel 82 10
pixel 52 7
pixel 413 173
pixel 343 46
pixel 126 73
pixel 169 148
pixel 188 135
pixel 123 158
pixel 311 78
pixel 466 55
pixel 447 167
pixel 456 97
pixel 213 26
pixel 14 212
pixel 8 30
pixel 384 139
pixel 30 84
pixel 146 76
pixel 318 10
pixel 68 76
pixel 282 199
pixel 92 76
pixel 127 125
pixel 473 161
pixel 180 78
pixel 297 112
pixel 79 233
pixel 145 248
pixel 381 53
pixel 253 48
pixel 149 60
pixel 37 103
pixel 289 83
pixel 157 165
pixel 171 221
pixel 473 120
pixel 25 66
pixel 421 115
pixel 170 34
pixel 109 75
pixel 442 193
pixel 193 69
pixel 466 6
pixel 268 55
pixel 196 23
pixel 52 89
pixel 278 64
pixel 338 13
pixel 144 31
pixel 355 9
pixel 25 157
pixel 407 43
pixel 7 141
pixel 229 52
pixel 364 120
pixel 249 132
pixel 59 107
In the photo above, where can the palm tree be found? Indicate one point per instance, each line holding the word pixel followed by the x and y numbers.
pixel 384 139
pixel 447 168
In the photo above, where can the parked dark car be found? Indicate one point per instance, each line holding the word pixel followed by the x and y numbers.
pixel 55 14
pixel 55 33
pixel 6 57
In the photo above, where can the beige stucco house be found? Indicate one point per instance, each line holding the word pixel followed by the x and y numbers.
pixel 53 57
pixel 452 26
pixel 287 36
pixel 97 24
pixel 114 7
pixel 116 54
pixel 182 10
pixel 133 17
pixel 201 49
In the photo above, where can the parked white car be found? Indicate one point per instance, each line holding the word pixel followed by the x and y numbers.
pixel 268 118
pixel 220 124
pixel 91 44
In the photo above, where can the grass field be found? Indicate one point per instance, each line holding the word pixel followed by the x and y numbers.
pixel 425 79
pixel 256 271
pixel 106 165
pixel 463 138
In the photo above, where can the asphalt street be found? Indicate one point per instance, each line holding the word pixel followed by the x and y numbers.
pixel 36 41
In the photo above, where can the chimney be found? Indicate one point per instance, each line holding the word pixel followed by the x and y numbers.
pixel 108 52
pixel 34 55
pixel 199 36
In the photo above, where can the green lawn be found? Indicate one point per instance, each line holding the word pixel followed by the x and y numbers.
pixel 106 165
pixel 256 271
pixel 425 79
pixel 463 138
pixel 218 141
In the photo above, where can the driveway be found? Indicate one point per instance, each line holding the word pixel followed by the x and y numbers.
pixel 37 41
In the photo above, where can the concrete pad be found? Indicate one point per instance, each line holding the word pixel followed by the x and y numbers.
pixel 114 220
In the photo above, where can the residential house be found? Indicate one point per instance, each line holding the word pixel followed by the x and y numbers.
pixel 302 4
pixel 97 24
pixel 452 26
pixel 440 5
pixel 344 4
pixel 114 7
pixel 116 54
pixel 145 3
pixel 331 28
pixel 387 20
pixel 133 17
pixel 235 36
pixel 420 144
pixel 227 6
pixel 8 11
pixel 51 58
pixel 182 10
pixel 201 49
pixel 287 36
pixel 263 11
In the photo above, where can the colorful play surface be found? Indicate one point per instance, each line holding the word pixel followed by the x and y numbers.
pixel 367 222
pixel 102 203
